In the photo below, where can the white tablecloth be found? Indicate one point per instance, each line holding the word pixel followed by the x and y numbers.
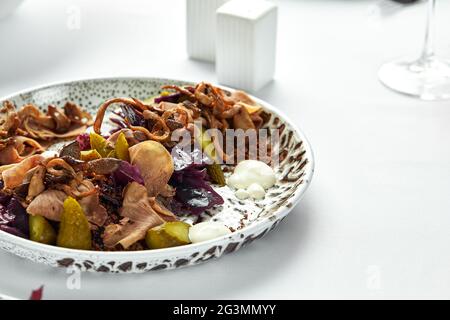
pixel 375 221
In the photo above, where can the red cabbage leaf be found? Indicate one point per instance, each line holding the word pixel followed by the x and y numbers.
pixel 84 141
pixel 13 216
pixel 127 173
pixel 194 193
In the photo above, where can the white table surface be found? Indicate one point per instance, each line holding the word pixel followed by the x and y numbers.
pixel 375 221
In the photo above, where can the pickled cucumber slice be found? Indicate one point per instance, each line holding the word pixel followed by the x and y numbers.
pixel 41 230
pixel 74 231
pixel 206 144
pixel 169 234
pixel 214 169
pixel 100 144
pixel 216 174
pixel 89 155
pixel 121 148
pixel 111 154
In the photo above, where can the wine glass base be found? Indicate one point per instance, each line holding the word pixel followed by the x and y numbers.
pixel 425 79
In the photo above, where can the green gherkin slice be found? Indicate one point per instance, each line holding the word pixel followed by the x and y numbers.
pixel 100 144
pixel 169 234
pixel 74 230
pixel 41 230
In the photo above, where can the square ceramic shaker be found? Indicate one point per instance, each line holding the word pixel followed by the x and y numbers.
pixel 201 28
pixel 246 43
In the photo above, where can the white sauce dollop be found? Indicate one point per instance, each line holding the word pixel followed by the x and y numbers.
pixel 256 191
pixel 242 194
pixel 208 230
pixel 252 177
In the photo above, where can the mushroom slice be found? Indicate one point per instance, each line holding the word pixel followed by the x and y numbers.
pixel 40 132
pixel 103 166
pixel 95 212
pixel 48 204
pixel 30 115
pixel 242 120
pixel 76 114
pixel 36 183
pixel 9 120
pixel 155 164
pixel 13 177
pixel 17 148
pixel 139 216
pixel 131 136
pixel 61 120
pixel 26 146
pixel 241 96
pixel 57 124
pixel 163 212
pixel 8 154
pixel 71 150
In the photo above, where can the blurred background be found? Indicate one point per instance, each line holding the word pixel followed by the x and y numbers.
pixel 319 40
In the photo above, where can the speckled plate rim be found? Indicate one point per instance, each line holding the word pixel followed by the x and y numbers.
pixel 277 215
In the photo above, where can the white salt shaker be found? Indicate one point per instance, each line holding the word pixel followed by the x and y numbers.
pixel 246 43
pixel 201 28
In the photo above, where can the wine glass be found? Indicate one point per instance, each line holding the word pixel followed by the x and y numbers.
pixel 426 77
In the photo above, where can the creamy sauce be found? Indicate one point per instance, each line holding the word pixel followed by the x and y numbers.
pixel 256 191
pixel 208 230
pixel 251 178
pixel 241 194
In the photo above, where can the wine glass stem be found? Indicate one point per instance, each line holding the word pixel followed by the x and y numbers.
pixel 428 48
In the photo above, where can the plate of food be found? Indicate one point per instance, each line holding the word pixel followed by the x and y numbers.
pixel 139 174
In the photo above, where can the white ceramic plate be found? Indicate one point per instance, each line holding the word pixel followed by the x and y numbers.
pixel 252 220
